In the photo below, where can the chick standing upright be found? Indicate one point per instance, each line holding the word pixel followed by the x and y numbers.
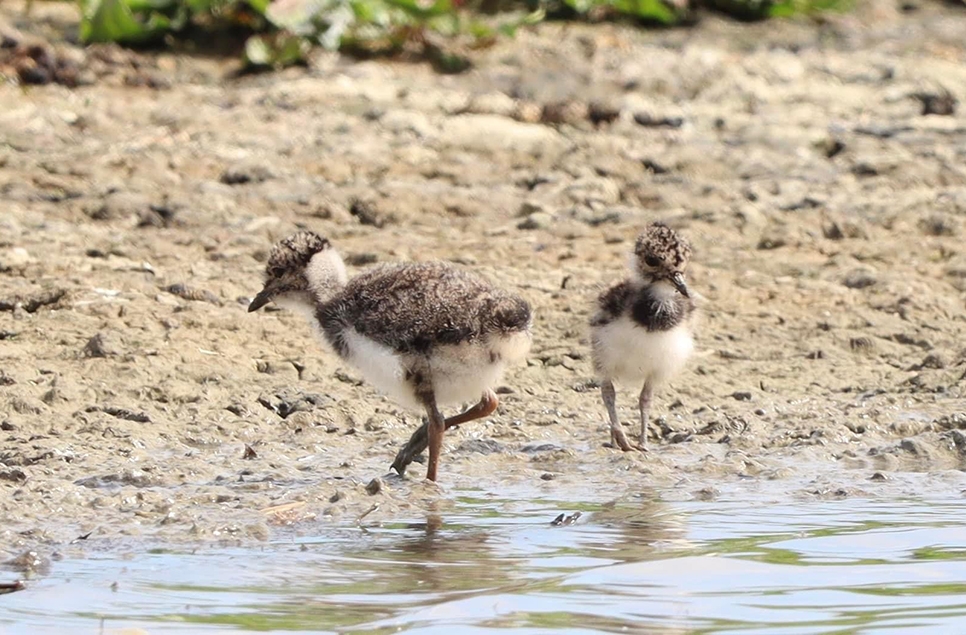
pixel 642 329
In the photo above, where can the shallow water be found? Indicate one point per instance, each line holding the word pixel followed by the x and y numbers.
pixel 846 566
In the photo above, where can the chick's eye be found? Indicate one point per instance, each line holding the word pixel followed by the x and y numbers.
pixel 651 261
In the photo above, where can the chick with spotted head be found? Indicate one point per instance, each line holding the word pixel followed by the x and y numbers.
pixel 642 330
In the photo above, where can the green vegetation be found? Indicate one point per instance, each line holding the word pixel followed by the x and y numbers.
pixel 281 32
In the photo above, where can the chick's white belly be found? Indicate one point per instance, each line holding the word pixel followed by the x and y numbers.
pixel 459 373
pixel 625 351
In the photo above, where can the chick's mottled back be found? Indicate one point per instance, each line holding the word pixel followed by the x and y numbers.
pixel 413 307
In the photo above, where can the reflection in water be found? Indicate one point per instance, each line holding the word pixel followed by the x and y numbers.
pixel 631 565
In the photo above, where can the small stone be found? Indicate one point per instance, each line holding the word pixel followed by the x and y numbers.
pixel 530 207
pixel 599 113
pixel 246 172
pixel 330 210
pixel 741 396
pixel 547 476
pixel 160 216
pixel 15 475
pixel 481 446
pixel 706 494
pixel 249 453
pixel 938 225
pixel 103 345
pixel 878 476
pixel 860 279
pixel 864 168
pixel 773 237
pixel 120 204
pixel 336 497
pixel 934 361
pixel 941 103
pixel 492 133
pixel 831 146
pixel 494 103
pixel 29 562
pixel 958 439
pixel 594 191
pixel 861 344
pixel 374 486
pixel 536 447
pixel 14 258
pixel 841 228
pixel 566 111
pixel 537 220
pixel 651 121
pixel 368 213
pixel 911 446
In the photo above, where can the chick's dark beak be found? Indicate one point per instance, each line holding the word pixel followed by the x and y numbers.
pixel 260 300
pixel 678 281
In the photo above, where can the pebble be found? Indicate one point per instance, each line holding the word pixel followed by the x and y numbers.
pixel 493 133
pixel 860 278
pixel 912 446
pixel 481 446
pixel 369 213
pixel 536 220
pixel 246 172
pixel 533 448
pixel 29 562
pixel 958 438
pixel 494 103
pixel 374 487
pixel 103 344
pixel 15 257
pixel 121 204
pixel 594 190
pixel 773 237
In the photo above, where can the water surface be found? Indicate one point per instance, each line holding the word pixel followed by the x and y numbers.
pixel 851 566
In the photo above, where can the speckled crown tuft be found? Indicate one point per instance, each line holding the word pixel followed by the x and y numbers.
pixel 660 242
pixel 294 252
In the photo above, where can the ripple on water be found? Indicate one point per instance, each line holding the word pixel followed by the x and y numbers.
pixel 718 567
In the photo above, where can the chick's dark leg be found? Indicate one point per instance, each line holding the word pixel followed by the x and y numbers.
pixel 644 404
pixel 420 438
pixel 609 396
pixel 437 426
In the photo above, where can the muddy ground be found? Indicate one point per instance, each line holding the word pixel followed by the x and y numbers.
pixel 827 214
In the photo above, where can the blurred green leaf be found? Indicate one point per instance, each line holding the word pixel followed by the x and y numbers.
pixel 647 10
pixel 114 21
pixel 509 29
pixel 423 10
pixel 261 6
pixel 280 32
pixel 278 50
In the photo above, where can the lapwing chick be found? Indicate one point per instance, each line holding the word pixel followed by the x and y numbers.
pixel 425 334
pixel 641 332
